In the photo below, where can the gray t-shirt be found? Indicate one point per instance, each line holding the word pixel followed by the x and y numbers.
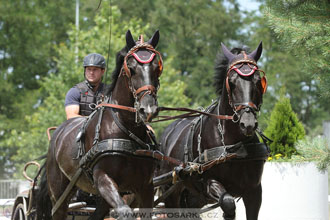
pixel 72 97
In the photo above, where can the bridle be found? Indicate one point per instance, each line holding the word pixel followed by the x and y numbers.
pixel 141 92
pixel 144 90
pixel 148 89
pixel 246 106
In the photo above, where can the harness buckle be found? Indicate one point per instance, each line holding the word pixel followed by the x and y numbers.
pixel 235 115
pixel 137 114
pixel 92 106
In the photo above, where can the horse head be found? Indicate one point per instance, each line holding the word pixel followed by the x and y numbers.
pixel 245 87
pixel 142 70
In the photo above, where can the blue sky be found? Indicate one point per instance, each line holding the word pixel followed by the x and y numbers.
pixel 249 4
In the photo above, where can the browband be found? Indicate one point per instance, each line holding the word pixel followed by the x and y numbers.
pixel 143 58
pixel 245 74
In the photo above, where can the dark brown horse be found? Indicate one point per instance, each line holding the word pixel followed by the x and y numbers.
pixel 97 153
pixel 208 140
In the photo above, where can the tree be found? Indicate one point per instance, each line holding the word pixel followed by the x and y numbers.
pixel 303 25
pixel 29 32
pixel 284 129
pixel 284 68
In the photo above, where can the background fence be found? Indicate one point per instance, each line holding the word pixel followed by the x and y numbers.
pixel 10 188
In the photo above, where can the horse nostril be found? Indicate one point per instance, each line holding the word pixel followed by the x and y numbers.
pixel 242 126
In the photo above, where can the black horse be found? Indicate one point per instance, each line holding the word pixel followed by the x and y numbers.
pixel 98 154
pixel 210 140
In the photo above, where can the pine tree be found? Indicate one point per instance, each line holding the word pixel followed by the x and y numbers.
pixel 303 26
pixel 284 129
pixel 287 69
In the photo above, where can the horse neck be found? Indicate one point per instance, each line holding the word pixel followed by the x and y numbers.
pixel 224 108
pixel 122 95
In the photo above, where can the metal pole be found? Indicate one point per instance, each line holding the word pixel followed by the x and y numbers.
pixel 326 130
pixel 77 29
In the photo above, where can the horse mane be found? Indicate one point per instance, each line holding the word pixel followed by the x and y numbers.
pixel 115 73
pixel 221 68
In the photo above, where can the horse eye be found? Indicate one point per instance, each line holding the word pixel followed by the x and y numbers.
pixel 233 80
pixel 258 85
pixel 232 85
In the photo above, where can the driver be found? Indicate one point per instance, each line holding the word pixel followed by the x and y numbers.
pixel 80 98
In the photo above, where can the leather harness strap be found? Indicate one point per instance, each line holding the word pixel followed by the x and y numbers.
pixel 129 133
pixel 122 107
pixel 67 190
pixel 159 156
pixel 150 89
pixel 188 152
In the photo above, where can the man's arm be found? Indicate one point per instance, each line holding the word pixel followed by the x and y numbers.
pixel 72 111
pixel 72 100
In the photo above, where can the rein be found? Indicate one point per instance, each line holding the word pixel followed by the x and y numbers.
pixel 122 107
pixel 235 106
pixel 192 113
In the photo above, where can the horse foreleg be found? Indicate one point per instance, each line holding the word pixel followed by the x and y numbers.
pixel 145 200
pixel 102 209
pixel 108 189
pixel 252 201
pixel 57 183
pixel 217 192
pixel 146 196
pixel 174 198
pixel 61 213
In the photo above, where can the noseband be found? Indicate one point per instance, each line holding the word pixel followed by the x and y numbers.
pixel 147 89
pixel 254 67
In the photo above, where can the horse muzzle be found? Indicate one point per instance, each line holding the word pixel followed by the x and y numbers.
pixel 248 122
pixel 148 108
pixel 148 113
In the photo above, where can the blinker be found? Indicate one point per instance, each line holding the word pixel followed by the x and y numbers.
pixel 264 84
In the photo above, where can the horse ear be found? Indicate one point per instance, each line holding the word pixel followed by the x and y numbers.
pixel 154 39
pixel 226 52
pixel 129 40
pixel 257 52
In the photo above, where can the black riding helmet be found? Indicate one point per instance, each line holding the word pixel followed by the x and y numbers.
pixel 94 59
